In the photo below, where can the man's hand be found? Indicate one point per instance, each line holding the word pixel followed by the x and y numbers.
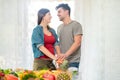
pixel 62 56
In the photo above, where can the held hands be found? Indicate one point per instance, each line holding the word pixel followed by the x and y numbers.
pixel 61 62
pixel 61 57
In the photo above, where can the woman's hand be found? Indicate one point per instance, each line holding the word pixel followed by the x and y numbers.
pixel 62 56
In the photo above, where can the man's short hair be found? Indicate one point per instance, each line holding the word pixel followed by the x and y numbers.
pixel 64 6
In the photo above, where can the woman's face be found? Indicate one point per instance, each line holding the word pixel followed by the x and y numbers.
pixel 47 17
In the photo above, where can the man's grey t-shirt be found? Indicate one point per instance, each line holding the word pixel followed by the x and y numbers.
pixel 66 35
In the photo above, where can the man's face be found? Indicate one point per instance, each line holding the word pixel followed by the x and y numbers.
pixel 61 13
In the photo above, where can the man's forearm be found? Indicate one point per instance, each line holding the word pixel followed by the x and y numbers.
pixel 72 49
pixel 75 45
pixel 57 49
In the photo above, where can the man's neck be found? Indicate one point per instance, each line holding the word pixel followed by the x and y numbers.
pixel 67 20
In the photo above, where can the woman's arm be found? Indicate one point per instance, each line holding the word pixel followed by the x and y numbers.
pixel 47 52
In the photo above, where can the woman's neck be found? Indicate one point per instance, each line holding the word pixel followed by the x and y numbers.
pixel 44 26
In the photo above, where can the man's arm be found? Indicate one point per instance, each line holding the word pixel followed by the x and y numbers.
pixel 57 50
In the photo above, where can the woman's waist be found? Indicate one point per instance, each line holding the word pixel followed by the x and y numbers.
pixel 43 58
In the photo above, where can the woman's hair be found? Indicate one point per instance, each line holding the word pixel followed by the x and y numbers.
pixel 41 13
pixel 64 6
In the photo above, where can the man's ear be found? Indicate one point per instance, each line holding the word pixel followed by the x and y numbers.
pixel 67 12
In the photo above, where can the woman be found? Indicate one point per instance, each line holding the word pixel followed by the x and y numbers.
pixel 44 42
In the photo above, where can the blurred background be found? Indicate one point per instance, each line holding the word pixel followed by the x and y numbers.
pixel 100 20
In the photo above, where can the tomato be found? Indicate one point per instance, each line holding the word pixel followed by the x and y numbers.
pixel 11 77
pixel 48 76
pixel 2 74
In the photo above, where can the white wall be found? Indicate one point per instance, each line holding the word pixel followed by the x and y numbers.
pixel 100 47
pixel 13 32
pixel 112 37
pixel 7 32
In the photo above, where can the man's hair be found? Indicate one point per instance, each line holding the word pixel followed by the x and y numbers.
pixel 64 6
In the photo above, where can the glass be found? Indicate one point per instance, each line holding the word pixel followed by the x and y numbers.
pixel 75 73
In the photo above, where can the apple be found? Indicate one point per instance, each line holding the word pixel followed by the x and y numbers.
pixel 48 76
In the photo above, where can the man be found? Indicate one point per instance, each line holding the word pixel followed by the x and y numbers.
pixel 70 36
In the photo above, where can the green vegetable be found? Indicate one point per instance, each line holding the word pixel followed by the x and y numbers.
pixel 27 76
pixel 64 65
pixel 6 71
pixel 14 73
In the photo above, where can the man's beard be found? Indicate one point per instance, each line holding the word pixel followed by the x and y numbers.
pixel 61 19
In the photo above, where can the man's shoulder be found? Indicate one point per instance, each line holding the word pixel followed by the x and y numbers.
pixel 60 26
pixel 75 22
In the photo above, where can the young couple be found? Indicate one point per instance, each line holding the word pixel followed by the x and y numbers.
pixel 45 42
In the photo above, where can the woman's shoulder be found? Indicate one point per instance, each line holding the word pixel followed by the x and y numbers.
pixel 51 29
pixel 37 28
